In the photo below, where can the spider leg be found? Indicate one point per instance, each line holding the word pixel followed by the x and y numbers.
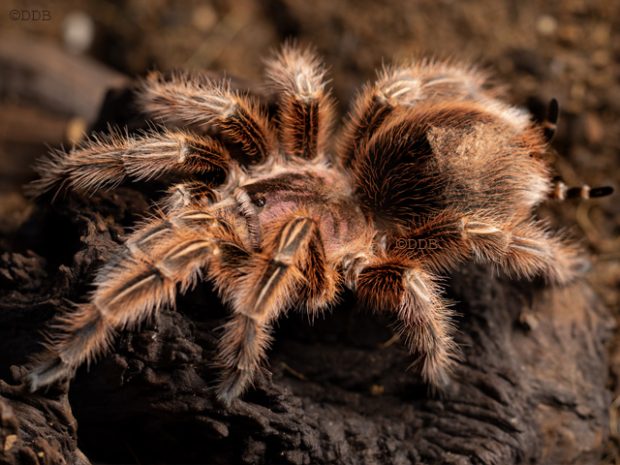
pixel 207 103
pixel 105 161
pixel 403 287
pixel 560 191
pixel 140 280
pixel 188 193
pixel 305 107
pixel 271 283
pixel 532 250
pixel 525 250
pixel 321 279
pixel 436 241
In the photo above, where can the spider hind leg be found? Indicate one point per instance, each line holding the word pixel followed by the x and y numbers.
pixel 424 319
pixel 525 250
pixel 137 282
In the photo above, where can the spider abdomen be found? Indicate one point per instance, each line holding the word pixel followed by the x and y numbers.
pixel 450 156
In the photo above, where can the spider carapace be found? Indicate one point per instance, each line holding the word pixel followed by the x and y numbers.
pixel 430 169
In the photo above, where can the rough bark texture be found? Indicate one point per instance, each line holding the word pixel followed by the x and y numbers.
pixel 530 388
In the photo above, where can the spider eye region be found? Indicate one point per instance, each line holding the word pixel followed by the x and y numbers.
pixel 259 200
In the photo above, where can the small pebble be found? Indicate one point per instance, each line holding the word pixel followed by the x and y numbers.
pixel 600 58
pixel 377 390
pixel 78 32
pixel 600 35
pixel 569 34
pixel 75 130
pixel 528 320
pixel 546 25
pixel 204 18
pixel 9 441
pixel 577 91
pixel 593 128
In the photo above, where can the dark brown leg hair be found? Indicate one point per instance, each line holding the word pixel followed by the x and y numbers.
pixel 188 193
pixel 212 104
pixel 140 280
pixel 105 161
pixel 321 279
pixel 409 291
pixel 371 108
pixel 264 291
pixel 525 250
pixel 305 107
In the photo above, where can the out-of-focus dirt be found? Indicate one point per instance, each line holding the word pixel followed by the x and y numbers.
pixel 564 49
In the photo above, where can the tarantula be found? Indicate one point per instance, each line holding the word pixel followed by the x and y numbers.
pixel 276 216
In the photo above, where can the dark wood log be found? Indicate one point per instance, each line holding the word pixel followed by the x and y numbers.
pixel 48 97
pixel 38 72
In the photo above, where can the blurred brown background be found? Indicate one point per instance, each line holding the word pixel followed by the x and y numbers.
pixel 58 57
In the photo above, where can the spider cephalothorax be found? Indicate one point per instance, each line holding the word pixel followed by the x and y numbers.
pixel 430 169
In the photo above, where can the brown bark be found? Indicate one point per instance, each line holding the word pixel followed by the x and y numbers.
pixel 38 72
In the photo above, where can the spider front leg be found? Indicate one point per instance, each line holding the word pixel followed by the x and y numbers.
pixel 207 103
pixel 305 109
pixel 411 292
pixel 105 161
pixel 138 281
pixel 271 282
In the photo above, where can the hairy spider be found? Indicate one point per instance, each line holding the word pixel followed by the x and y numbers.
pixel 276 217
